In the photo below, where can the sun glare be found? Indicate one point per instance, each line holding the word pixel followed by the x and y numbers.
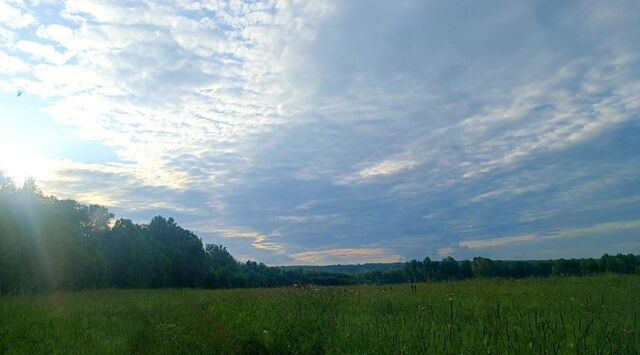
pixel 20 163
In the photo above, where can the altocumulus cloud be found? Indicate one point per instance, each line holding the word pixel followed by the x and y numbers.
pixel 321 132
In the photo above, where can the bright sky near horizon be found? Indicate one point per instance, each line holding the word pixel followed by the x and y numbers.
pixel 308 132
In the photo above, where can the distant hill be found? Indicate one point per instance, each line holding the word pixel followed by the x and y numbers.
pixel 351 269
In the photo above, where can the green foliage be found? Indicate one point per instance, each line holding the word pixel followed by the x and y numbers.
pixel 49 244
pixel 570 315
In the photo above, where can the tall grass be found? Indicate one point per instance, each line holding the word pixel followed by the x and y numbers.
pixel 590 315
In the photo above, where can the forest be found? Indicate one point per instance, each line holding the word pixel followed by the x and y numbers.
pixel 52 244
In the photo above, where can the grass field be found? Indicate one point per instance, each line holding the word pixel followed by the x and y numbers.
pixel 590 315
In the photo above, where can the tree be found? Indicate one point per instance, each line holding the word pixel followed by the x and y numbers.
pixel 483 267
pixel 449 268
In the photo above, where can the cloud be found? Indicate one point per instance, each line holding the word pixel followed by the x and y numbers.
pixel 305 219
pixel 384 168
pixel 514 190
pixel 301 119
pixel 41 51
pixel 445 251
pixel 56 33
pixel 495 242
pixel 97 198
pixel 259 240
pixel 306 205
pixel 345 256
pixel 7 37
pixel 10 64
pixel 14 17
pixel 601 229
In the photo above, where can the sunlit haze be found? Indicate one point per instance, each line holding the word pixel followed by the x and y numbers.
pixel 20 164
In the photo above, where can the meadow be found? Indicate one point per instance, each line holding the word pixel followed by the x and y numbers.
pixel 581 315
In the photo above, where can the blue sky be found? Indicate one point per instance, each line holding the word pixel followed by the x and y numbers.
pixel 304 132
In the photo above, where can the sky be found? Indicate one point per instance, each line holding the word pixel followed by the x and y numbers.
pixel 322 132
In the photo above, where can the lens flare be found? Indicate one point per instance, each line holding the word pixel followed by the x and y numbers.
pixel 20 163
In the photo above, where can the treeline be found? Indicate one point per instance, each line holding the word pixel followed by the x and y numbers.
pixel 450 269
pixel 350 269
pixel 49 244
